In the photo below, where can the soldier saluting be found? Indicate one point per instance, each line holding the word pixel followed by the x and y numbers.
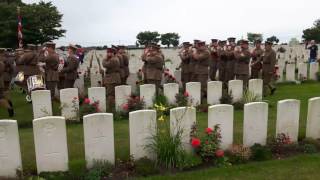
pixel 185 57
pixel 214 59
pixel 269 62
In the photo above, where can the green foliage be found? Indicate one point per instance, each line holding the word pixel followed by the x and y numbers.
pixel 99 170
pixel 318 76
pixel 309 148
pixel 145 167
pixel 312 33
pixel 247 97
pixel 238 153
pixel 182 99
pixel 168 39
pixel 273 39
pixel 207 145
pixel 161 99
pixel 254 36
pixel 147 37
pixel 260 153
pixel 40 23
pixel 226 97
pixel 189 161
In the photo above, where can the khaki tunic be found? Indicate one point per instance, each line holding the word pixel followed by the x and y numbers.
pixel 125 59
pixel 214 63
pixel 185 69
pixel 202 58
pixel 52 63
pixel 30 61
pixel 223 67
pixel 70 68
pixel 256 63
pixel 242 65
pixel 154 66
pixel 230 64
pixel 269 61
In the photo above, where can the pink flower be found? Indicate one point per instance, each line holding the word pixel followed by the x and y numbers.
pixel 208 130
pixel 219 153
pixel 195 142
pixel 125 106
pixel 186 94
pixel 87 101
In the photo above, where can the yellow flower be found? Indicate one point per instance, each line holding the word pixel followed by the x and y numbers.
pixel 161 118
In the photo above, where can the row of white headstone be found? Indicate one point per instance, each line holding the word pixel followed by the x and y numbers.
pixel 50 137
pixel 41 101
pixel 290 71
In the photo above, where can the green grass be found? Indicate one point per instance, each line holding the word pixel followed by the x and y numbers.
pixel 75 131
pixel 299 167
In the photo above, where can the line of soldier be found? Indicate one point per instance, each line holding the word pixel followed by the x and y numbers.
pixel 200 62
pixel 29 62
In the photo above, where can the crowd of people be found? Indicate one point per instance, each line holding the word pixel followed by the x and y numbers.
pixel 200 62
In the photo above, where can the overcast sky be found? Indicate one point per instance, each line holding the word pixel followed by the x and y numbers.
pixel 99 22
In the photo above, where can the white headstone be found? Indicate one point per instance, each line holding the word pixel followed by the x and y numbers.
pixel 95 77
pixel 10 155
pixel 147 93
pixel 98 138
pixel 314 68
pixel 255 123
pixel 303 71
pixel 98 94
pixel 69 103
pixel 50 139
pixel 290 72
pixel 256 87
pixel 182 119
pixel 235 89
pixel 281 69
pixel 122 94
pixel 222 114
pixel 79 83
pixel 214 92
pixel 177 75
pixel 170 90
pixel 313 120
pixel 41 103
pixel 142 126
pixel 288 112
pixel 194 90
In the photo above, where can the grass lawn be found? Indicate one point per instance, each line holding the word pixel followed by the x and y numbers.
pixel 299 167
pixel 75 131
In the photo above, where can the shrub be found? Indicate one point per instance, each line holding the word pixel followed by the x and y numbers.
pixel 226 97
pixel 99 170
pixel 88 107
pixel 260 153
pixel 309 148
pixel 315 142
pixel 189 161
pixel 166 145
pixel 161 99
pixel 182 99
pixel 145 167
pixel 134 103
pixel 208 146
pixel 238 153
pixel 282 145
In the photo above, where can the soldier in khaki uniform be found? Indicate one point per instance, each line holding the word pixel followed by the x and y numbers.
pixel 30 63
pixel 242 62
pixel 70 68
pixel 112 75
pixel 256 63
pixel 231 58
pixel 144 66
pixel 4 101
pixel 154 67
pixel 269 62
pixel 193 62
pixel 214 59
pixel 185 57
pixel 51 68
pixel 202 57
pixel 223 63
pixel 125 61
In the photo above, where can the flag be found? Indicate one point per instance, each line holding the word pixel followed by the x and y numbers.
pixel 20 36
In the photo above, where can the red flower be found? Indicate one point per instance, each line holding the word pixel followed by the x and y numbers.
pixel 219 153
pixel 195 142
pixel 186 94
pixel 87 101
pixel 125 106
pixel 208 130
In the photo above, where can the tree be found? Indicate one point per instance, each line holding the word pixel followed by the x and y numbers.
pixel 146 37
pixel 312 33
pixel 40 23
pixel 273 39
pixel 168 39
pixel 254 36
